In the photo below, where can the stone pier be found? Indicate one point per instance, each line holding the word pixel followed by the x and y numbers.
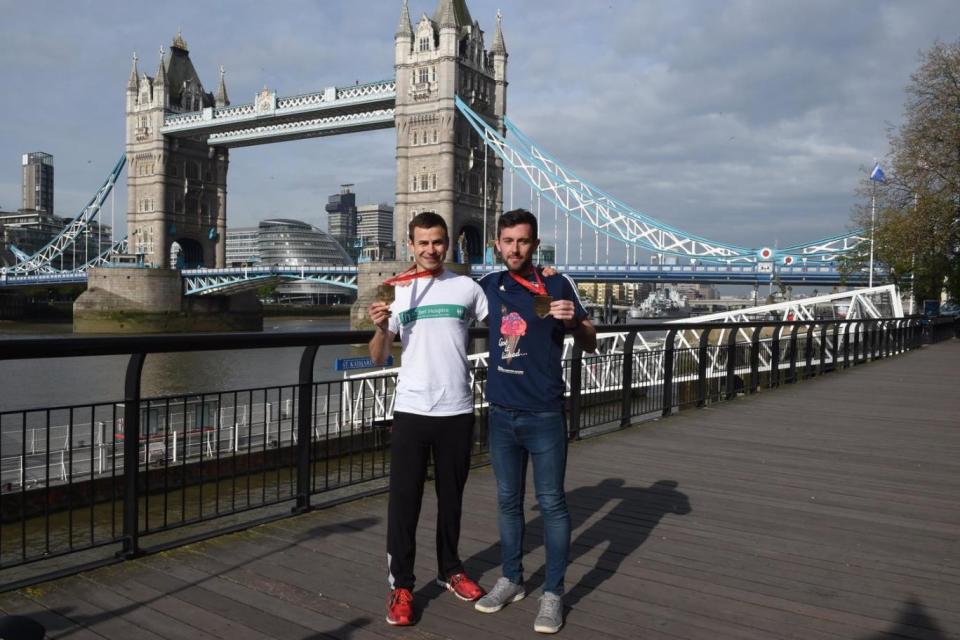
pixel 144 300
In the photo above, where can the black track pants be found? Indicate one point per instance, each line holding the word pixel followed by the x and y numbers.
pixel 414 438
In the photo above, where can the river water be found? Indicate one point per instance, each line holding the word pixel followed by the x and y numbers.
pixel 31 384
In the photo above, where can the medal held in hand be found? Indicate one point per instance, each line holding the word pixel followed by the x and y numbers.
pixel 541 301
pixel 386 293
pixel 541 305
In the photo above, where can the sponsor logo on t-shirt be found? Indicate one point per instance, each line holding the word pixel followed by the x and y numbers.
pixel 433 311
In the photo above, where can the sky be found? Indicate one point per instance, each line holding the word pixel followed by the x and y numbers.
pixel 748 122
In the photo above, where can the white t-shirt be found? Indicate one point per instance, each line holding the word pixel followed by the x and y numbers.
pixel 432 316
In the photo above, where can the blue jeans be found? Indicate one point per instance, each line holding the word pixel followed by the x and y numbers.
pixel 516 437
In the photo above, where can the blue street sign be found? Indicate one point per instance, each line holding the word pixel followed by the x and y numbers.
pixel 349 364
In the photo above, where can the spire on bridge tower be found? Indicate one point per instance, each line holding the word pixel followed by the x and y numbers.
pixel 452 13
pixel 161 79
pixel 179 42
pixel 222 100
pixel 133 84
pixel 499 48
pixel 405 27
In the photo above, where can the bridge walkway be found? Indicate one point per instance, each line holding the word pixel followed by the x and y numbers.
pixel 824 510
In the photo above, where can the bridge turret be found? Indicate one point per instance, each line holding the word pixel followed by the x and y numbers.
pixel 498 56
pixel 133 85
pixel 222 100
pixel 405 26
pixel 160 83
pixel 449 21
pixel 403 39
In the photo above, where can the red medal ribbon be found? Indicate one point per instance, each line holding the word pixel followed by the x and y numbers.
pixel 412 274
pixel 538 288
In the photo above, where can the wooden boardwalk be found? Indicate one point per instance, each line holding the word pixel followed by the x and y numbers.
pixel 824 510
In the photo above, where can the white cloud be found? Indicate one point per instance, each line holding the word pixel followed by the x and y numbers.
pixel 747 121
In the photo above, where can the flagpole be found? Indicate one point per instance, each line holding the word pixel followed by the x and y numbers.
pixel 873 217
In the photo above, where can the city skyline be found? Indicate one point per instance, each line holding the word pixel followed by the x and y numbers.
pixel 750 123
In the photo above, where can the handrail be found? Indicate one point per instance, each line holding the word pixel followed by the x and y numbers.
pixel 614 382
pixel 36 348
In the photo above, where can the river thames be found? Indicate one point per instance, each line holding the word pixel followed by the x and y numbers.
pixel 30 384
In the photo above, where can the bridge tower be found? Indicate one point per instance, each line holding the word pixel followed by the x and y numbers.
pixel 176 189
pixel 440 159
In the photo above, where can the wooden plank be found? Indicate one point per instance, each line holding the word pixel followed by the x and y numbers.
pixel 826 510
pixel 56 624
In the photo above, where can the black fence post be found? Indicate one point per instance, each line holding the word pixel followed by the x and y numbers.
pixel 627 377
pixel 702 352
pixel 774 358
pixel 792 372
pixel 836 346
pixel 857 328
pixel 808 351
pixel 755 359
pixel 668 358
pixel 846 344
pixel 822 366
pixel 304 422
pixel 732 364
pixel 131 456
pixel 576 381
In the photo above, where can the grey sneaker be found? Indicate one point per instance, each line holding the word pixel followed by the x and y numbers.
pixel 502 594
pixel 550 617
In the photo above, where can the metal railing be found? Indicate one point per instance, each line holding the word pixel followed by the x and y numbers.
pixel 76 478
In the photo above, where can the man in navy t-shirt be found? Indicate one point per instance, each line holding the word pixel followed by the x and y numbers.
pixel 529 315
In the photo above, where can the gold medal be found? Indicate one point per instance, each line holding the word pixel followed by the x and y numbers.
pixel 541 305
pixel 386 293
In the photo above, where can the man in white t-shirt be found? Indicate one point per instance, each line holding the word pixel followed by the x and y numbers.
pixel 433 411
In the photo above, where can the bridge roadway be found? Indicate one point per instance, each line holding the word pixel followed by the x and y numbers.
pixel 824 510
pixel 200 281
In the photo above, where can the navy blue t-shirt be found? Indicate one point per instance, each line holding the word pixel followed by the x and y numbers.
pixel 525 368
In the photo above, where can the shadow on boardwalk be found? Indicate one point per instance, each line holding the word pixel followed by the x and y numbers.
pixel 631 514
pixel 913 622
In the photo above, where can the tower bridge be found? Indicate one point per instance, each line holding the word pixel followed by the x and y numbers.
pixel 457 154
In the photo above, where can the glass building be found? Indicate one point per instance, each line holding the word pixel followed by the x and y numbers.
pixel 292 243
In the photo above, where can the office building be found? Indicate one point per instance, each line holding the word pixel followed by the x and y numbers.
pixel 37 184
pixel 243 248
pixel 342 220
pixel 375 223
pixel 375 231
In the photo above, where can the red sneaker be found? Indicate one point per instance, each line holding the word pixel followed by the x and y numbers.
pixel 462 587
pixel 400 607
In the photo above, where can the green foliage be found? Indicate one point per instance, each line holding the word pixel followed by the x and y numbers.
pixel 917 233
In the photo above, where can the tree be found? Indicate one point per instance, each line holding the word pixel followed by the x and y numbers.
pixel 917 233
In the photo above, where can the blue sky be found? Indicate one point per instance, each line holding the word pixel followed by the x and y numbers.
pixel 749 121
